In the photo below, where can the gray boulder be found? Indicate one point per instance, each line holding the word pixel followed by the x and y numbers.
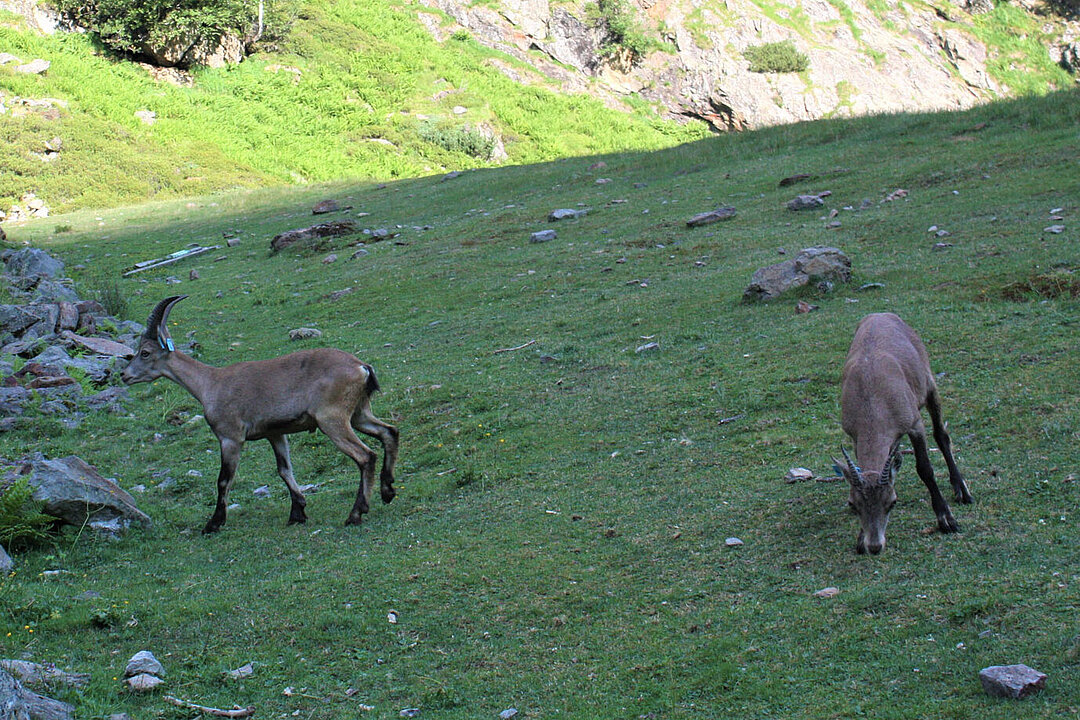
pixel 31 262
pixel 811 264
pixel 18 703
pixel 6 563
pixel 143 662
pixel 1011 681
pixel 76 493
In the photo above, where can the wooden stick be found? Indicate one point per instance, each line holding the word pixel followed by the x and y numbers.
pixel 502 350
pixel 237 713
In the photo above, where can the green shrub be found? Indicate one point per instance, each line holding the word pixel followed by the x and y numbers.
pixel 777 57
pixel 127 25
pixel 624 36
pixel 21 520
pixel 457 139
pixel 109 292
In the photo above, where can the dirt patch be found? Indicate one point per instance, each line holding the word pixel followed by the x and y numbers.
pixel 1051 285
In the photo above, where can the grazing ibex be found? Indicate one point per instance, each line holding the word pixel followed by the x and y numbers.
pixel 323 389
pixel 885 383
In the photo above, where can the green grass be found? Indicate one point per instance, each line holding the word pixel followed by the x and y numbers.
pixel 557 544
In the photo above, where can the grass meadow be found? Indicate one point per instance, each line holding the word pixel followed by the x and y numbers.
pixel 558 540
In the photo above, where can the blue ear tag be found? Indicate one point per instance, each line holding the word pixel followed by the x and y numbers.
pixel 168 341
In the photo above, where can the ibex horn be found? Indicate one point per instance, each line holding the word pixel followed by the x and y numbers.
pixel 855 471
pixel 156 324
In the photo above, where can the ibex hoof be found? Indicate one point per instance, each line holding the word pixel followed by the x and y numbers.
pixel 353 519
pixel 388 495
pixel 947 524
pixel 210 528
pixel 297 520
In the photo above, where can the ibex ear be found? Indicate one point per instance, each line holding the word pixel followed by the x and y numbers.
pixel 157 324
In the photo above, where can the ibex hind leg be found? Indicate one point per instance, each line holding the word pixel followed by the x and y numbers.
pixel 944 443
pixel 364 421
pixel 347 442
pixel 280 443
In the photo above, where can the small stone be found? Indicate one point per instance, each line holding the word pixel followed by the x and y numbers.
pixel 1011 681
pixel 712 216
pixel 232 242
pixel 304 333
pixel 827 592
pixel 566 214
pixel 802 307
pixel 144 682
pixel 543 236
pixel 647 347
pixel 360 252
pixel 1054 229
pixel 942 233
pixel 938 247
pixel 410 713
pixel 733 542
pixel 34 67
pixel 148 117
pixel 833 225
pixel 241 672
pixel 263 491
pixel 798 474
pixel 331 258
pixel 324 206
pixel 143 662
pixel 193 275
pixel 871 286
pixel 508 713
pixel 805 202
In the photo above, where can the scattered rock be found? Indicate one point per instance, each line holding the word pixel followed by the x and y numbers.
pixel 19 703
pixel 712 216
pixel 244 671
pixel 817 263
pixel 336 228
pixel 144 682
pixel 304 333
pixel 938 247
pixel 808 202
pixel 647 347
pixel 798 474
pixel 45 676
pixel 733 542
pixel 148 117
pixel 802 307
pixel 827 592
pixel 1011 681
pixel 898 194
pixel 566 214
pixel 871 286
pixel 329 259
pixel 508 713
pixel 1054 229
pixel 410 713
pixel 325 206
pixel 263 491
pixel 543 236
pixel 143 662
pixel 6 563
pixel 34 67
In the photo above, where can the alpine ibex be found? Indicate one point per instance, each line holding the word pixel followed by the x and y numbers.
pixel 885 383
pixel 323 389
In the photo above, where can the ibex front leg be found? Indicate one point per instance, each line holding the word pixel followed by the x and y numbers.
pixel 230 457
pixel 280 443
pixel 364 421
pixel 941 437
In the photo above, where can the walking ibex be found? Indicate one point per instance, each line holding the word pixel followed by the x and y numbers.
pixel 885 383
pixel 324 389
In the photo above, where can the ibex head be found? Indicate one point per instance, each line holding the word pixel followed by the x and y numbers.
pixel 873 495
pixel 155 345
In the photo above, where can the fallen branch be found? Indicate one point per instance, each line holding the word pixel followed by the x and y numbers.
pixel 502 350
pixel 216 712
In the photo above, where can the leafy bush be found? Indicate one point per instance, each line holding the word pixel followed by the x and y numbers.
pixel 456 139
pixel 624 36
pixel 777 57
pixel 21 519
pixel 128 25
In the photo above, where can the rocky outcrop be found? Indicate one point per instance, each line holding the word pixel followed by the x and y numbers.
pixel 865 61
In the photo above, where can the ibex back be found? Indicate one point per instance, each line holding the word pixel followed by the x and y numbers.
pixel 885 383
pixel 325 389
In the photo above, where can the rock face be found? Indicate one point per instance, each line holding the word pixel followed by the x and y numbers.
pixel 872 59
pixel 816 263
pixel 18 703
pixel 76 493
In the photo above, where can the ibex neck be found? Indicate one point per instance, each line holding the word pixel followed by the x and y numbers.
pixel 190 374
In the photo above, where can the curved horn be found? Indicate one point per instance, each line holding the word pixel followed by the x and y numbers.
pixel 156 325
pixel 855 471
pixel 892 464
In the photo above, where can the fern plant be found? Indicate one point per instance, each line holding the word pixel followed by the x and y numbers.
pixel 21 521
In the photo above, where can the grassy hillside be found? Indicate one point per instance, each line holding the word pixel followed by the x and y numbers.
pixel 374 98
pixel 558 542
